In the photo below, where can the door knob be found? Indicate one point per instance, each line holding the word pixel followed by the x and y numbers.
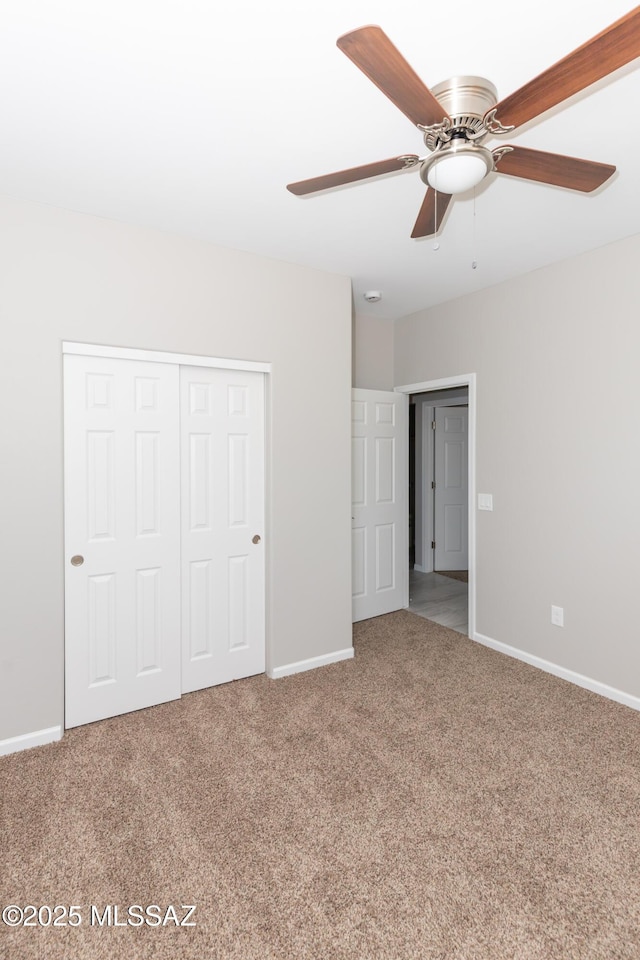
pixel 77 560
pixel 255 539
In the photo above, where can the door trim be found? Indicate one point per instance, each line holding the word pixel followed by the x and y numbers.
pixel 156 356
pixel 461 380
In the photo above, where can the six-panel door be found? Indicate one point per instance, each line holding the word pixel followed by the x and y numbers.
pixel 451 493
pixel 379 534
pixel 222 526
pixel 164 496
pixel 122 536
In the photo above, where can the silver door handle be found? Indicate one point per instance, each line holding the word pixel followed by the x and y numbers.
pixel 77 560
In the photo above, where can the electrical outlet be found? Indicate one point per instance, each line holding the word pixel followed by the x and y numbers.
pixel 557 616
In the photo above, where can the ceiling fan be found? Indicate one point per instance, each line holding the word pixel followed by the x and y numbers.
pixel 456 116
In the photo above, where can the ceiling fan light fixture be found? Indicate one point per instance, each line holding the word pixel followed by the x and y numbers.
pixel 457 167
pixel 457 114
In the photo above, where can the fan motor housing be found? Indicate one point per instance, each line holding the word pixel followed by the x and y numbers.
pixel 466 99
pixel 466 95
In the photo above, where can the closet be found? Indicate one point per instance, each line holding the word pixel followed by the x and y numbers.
pixel 164 529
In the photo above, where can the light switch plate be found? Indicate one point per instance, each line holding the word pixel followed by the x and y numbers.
pixel 485 501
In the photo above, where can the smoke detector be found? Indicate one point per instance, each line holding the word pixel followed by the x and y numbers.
pixel 372 296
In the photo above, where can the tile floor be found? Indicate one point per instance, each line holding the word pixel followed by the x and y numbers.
pixel 440 599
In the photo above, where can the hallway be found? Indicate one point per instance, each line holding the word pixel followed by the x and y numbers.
pixel 440 599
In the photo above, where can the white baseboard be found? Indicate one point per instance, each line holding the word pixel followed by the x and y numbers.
pixel 420 569
pixel 27 740
pixel 310 664
pixel 577 678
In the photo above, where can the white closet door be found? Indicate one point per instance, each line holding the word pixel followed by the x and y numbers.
pixel 379 530
pixel 122 536
pixel 223 558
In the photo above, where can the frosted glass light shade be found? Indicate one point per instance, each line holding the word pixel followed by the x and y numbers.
pixel 457 172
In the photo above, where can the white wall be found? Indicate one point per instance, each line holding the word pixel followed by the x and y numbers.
pixel 373 353
pixel 66 276
pixel 556 355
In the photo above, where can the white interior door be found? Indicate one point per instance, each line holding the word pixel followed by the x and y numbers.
pixel 452 490
pixel 122 536
pixel 223 554
pixel 379 544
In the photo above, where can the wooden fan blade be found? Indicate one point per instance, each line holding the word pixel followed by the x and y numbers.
pixel 302 187
pixel 569 172
pixel 373 53
pixel 598 57
pixel 426 224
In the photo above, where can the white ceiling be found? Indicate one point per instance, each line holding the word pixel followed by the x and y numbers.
pixel 191 116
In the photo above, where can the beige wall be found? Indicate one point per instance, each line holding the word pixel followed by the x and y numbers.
pixel 73 277
pixel 373 353
pixel 557 358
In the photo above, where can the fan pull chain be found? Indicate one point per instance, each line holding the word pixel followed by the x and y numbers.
pixel 474 262
pixel 436 243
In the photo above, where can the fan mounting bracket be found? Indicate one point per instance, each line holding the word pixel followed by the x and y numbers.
pixel 410 160
pixel 499 153
pixel 493 125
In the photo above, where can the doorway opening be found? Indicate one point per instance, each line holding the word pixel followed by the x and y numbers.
pixel 441 555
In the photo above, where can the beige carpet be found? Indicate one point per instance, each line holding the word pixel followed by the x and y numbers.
pixel 429 800
pixel 462 575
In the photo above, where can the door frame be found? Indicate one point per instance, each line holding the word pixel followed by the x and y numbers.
pixel 158 356
pixel 428 386
pixel 223 363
